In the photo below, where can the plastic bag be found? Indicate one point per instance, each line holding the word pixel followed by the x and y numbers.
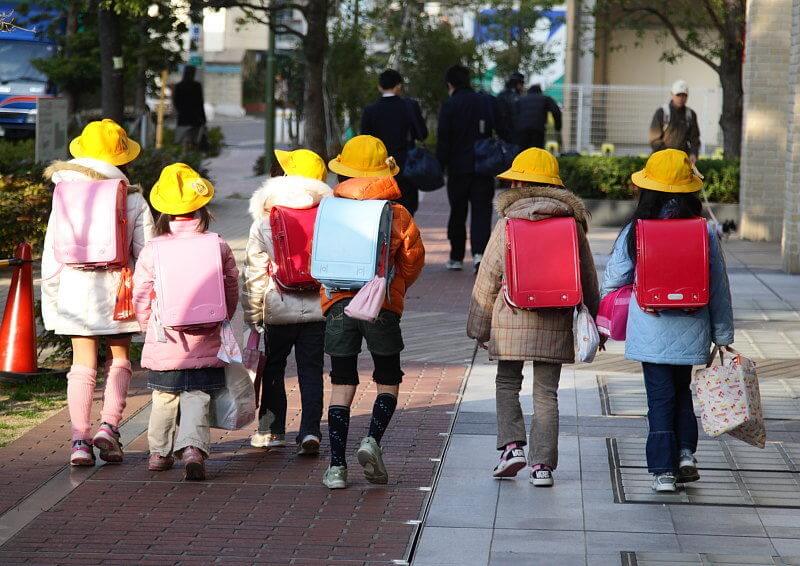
pixel 229 348
pixel 234 406
pixel 587 340
pixel 367 303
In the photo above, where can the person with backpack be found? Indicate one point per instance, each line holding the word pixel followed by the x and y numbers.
pixel 544 336
pixel 669 341
pixel 179 273
pixel 80 291
pixel 674 125
pixel 284 309
pixel 366 174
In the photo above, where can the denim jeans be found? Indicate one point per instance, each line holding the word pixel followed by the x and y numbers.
pixel 307 339
pixel 670 415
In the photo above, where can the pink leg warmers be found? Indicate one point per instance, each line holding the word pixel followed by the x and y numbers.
pixel 118 378
pixel 80 387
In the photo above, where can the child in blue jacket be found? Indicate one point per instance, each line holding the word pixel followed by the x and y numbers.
pixel 669 342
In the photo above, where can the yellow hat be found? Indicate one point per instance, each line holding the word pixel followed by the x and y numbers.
pixel 180 190
pixel 364 156
pixel 669 171
pixel 302 162
pixel 107 141
pixel 534 165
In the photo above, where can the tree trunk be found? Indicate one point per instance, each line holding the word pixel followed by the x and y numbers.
pixel 71 28
pixel 730 120
pixel 111 77
pixel 140 97
pixel 315 44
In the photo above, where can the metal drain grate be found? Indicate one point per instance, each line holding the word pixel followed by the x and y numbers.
pixel 668 559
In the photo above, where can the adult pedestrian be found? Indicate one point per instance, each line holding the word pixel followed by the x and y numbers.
pixel 187 98
pixel 397 121
pixel 465 117
pixel 674 125
pixel 530 120
pixel 508 98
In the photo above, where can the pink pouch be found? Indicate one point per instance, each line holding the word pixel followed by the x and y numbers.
pixel 367 303
pixel 612 316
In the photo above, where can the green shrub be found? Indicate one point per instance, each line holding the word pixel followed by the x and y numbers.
pixel 215 140
pixel 609 177
pixel 146 169
pixel 24 209
pixel 17 157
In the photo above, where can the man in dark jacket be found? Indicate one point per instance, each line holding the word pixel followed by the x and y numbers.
pixel 397 121
pixel 507 100
pixel 187 98
pixel 674 125
pixel 531 118
pixel 465 117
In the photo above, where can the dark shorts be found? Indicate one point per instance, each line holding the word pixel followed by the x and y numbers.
pixel 198 379
pixel 344 335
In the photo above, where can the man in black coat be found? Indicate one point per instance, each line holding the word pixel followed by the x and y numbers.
pixel 508 98
pixel 396 121
pixel 187 98
pixel 465 117
pixel 531 118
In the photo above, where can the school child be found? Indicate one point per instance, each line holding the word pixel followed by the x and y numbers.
pixel 183 362
pixel 669 342
pixel 366 172
pixel 287 318
pixel 79 300
pixel 514 336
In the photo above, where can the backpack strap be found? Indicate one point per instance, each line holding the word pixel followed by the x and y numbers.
pixel 665 117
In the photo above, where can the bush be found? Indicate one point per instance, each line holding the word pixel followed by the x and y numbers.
pixel 17 158
pixel 215 140
pixel 146 169
pixel 24 209
pixel 609 177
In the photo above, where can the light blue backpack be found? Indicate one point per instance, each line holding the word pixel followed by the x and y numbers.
pixel 350 236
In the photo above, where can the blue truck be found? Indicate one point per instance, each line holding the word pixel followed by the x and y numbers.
pixel 21 84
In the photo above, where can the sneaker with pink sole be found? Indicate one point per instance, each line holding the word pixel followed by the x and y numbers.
pixel 107 441
pixel 82 453
pixel 512 460
pixel 159 463
pixel 194 464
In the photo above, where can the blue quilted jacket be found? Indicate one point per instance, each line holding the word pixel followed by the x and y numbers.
pixel 674 336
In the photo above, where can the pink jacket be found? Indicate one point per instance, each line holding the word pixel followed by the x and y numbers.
pixel 182 350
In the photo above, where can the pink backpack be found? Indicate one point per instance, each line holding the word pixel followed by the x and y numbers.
pixel 90 223
pixel 612 317
pixel 188 280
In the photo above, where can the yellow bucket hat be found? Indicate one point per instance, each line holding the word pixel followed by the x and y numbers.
pixel 534 165
pixel 669 171
pixel 364 156
pixel 303 163
pixel 107 141
pixel 180 190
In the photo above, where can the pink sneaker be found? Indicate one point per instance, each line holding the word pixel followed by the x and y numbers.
pixel 194 466
pixel 107 441
pixel 159 463
pixel 82 453
pixel 512 460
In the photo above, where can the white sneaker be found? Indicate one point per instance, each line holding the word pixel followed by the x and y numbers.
pixel 309 446
pixel 453 265
pixel 664 483
pixel 542 476
pixel 687 467
pixel 267 440
pixel 476 261
pixel 512 460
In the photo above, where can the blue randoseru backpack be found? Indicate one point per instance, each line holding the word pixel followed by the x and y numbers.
pixel 349 237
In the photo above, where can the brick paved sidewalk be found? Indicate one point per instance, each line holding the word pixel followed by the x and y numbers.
pixel 257 506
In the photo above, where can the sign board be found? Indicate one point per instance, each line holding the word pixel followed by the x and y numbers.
pixel 195 60
pixel 51 129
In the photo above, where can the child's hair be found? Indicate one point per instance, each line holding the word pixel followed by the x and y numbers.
pixel 205 217
pixel 275 170
pixel 654 204
pixel 342 178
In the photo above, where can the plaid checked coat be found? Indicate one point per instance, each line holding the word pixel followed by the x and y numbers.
pixel 542 335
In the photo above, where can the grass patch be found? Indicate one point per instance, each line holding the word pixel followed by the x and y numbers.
pixel 25 405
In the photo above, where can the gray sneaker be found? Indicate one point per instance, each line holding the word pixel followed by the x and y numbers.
pixel 664 483
pixel 370 456
pixel 335 477
pixel 453 265
pixel 687 467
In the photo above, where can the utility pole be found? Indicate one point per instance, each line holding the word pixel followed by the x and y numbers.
pixel 269 113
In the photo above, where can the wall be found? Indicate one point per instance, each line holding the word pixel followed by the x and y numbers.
pixel 766 101
pixel 791 214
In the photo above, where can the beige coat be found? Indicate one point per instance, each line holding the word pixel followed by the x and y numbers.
pixel 263 303
pixel 540 335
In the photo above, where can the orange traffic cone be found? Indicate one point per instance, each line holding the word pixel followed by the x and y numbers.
pixel 18 330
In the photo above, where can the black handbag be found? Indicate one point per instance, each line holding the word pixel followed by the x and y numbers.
pixel 492 155
pixel 423 170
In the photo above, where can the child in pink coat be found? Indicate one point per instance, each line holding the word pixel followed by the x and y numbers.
pixel 184 367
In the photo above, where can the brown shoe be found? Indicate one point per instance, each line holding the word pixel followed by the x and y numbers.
pixel 194 466
pixel 159 463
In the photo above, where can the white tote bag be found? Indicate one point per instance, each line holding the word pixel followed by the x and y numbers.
pixel 587 339
pixel 234 406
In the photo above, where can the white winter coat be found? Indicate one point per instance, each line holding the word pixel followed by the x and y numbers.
pixel 79 302
pixel 262 301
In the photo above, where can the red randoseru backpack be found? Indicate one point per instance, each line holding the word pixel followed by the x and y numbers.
pixel 672 264
pixel 542 264
pixel 292 232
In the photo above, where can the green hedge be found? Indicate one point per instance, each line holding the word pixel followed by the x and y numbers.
pixel 24 209
pixel 609 177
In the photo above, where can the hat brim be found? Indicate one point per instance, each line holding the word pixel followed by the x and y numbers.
pixel 166 207
pixel 283 157
pixel 511 175
pixel 341 169
pixel 641 180
pixel 134 149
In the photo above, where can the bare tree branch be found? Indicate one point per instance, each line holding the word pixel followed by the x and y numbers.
pixel 713 15
pixel 261 7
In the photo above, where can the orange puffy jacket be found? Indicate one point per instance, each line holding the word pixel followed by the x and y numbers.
pixel 407 253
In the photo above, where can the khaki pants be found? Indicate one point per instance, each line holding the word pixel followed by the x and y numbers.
pixel 192 407
pixel 511 423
